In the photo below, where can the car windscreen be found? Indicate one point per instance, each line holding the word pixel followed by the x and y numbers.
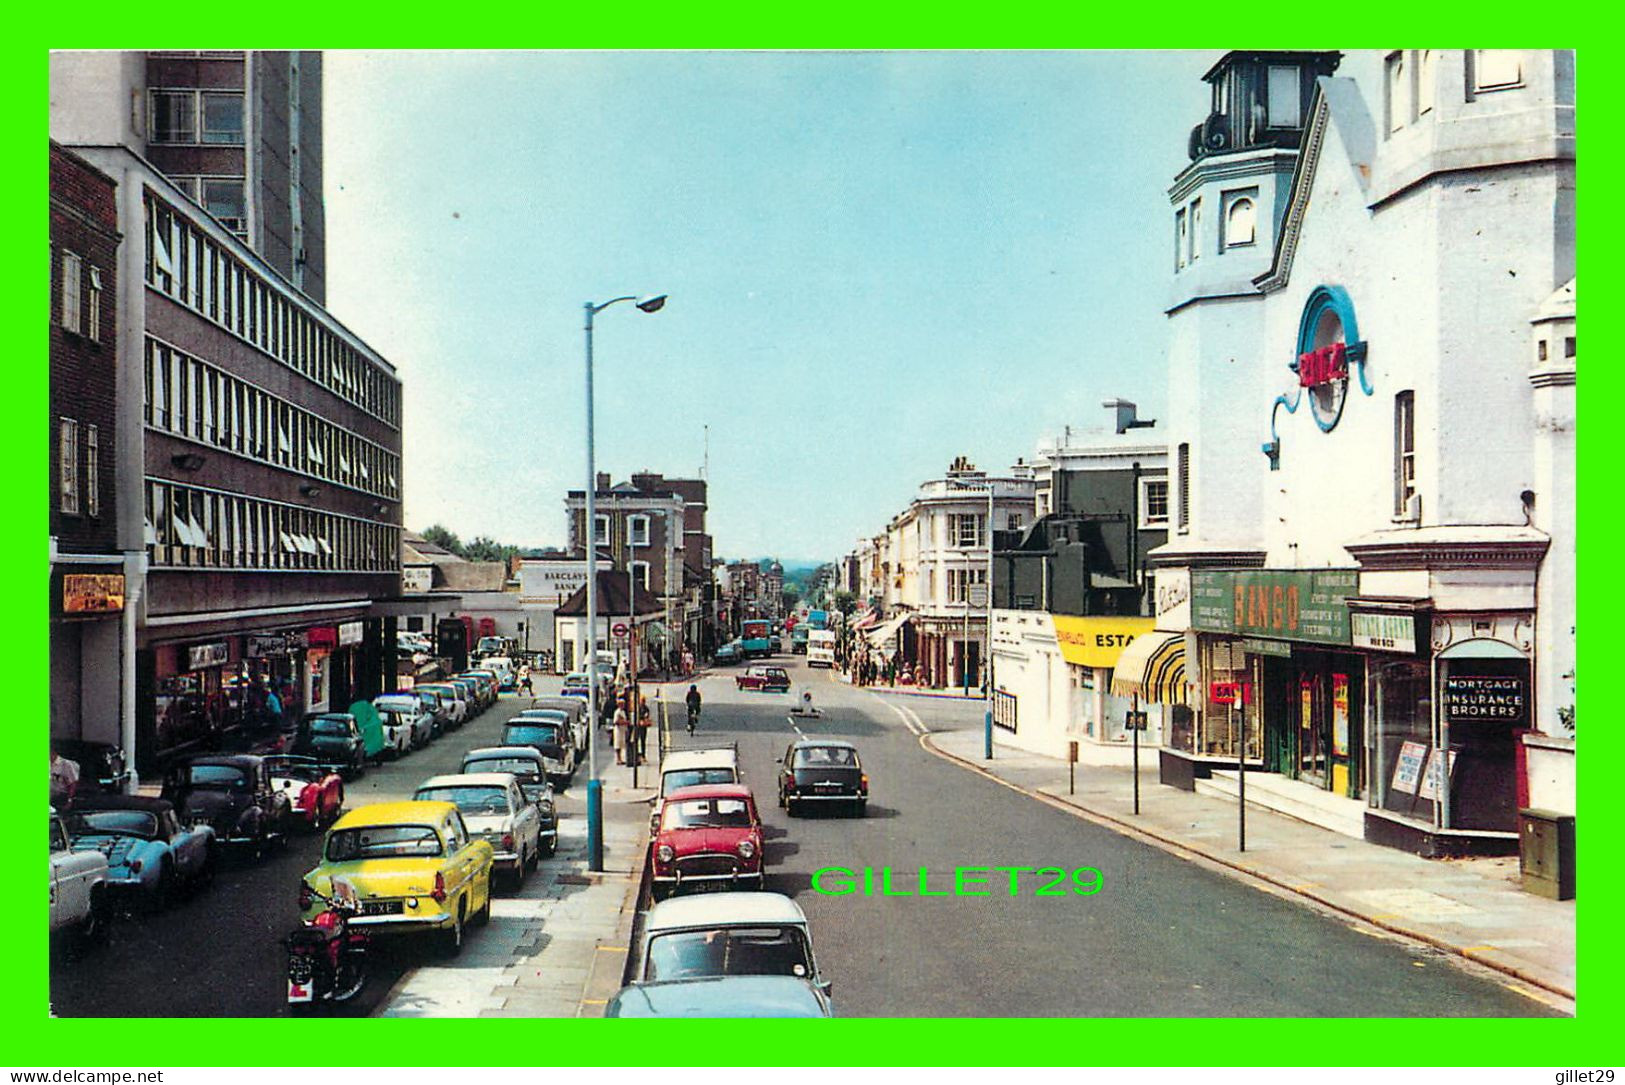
pixel 219 776
pixel 329 728
pixel 470 798
pixel 728 951
pixel 383 842
pixel 309 774
pixel 817 757
pixel 129 822
pixel 519 766
pixel 389 717
pixel 531 734
pixel 677 778
pixel 716 813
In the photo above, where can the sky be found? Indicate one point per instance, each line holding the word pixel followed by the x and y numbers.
pixel 875 262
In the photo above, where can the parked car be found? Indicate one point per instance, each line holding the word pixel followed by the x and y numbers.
pixel 405 719
pixel 822 771
pixel 550 737
pixel 720 996
pixel 414 867
pixel 495 810
pixel 764 679
pixel 576 709
pixel 574 731
pixel 709 836
pixel 488 679
pixel 233 793
pixel 334 739
pixel 471 692
pixel 503 668
pixel 732 652
pixel 150 855
pixel 78 885
pixel 525 763
pixel 315 791
pixel 728 934
pixel 457 707
pixel 438 707
pixel 686 768
pixel 102 765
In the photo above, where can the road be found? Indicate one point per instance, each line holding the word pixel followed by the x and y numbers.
pixel 1163 937
pixel 217 954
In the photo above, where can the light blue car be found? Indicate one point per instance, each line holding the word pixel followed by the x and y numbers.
pixel 151 857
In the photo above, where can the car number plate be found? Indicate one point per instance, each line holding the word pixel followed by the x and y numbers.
pixel 826 787
pixel 380 907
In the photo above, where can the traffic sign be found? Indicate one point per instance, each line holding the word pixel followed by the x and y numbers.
pixel 619 629
pixel 1134 721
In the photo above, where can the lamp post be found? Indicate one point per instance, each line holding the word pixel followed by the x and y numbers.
pixel 595 787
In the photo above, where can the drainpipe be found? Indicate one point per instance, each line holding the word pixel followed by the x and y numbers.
pixel 135 591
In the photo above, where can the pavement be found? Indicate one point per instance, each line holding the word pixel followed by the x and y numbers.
pixel 1473 908
pixel 559 948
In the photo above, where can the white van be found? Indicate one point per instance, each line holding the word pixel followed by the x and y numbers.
pixel 821 648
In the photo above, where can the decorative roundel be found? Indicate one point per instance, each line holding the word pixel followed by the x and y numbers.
pixel 1328 343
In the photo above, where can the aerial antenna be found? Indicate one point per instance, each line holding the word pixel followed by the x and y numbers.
pixel 705 466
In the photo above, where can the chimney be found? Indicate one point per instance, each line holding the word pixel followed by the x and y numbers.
pixel 647 482
pixel 603 481
pixel 1125 412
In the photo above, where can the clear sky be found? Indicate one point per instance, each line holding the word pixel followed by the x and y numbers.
pixel 876 262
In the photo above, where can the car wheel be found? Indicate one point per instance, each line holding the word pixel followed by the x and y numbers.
pixel 205 873
pixel 97 921
pixel 483 916
pixel 790 806
pixel 167 889
pixel 550 847
pixel 863 807
pixel 451 942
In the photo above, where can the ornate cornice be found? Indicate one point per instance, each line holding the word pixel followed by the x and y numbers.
pixel 1489 554
pixel 1303 177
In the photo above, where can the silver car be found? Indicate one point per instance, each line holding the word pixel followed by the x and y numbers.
pixel 497 811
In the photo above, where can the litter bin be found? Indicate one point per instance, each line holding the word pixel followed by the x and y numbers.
pixel 1546 853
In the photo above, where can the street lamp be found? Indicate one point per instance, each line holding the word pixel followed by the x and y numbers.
pixel 987 662
pixel 595 787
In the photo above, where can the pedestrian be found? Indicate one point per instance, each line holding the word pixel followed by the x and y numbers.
pixel 620 733
pixel 640 732
pixel 524 681
pixel 64 779
pixel 273 707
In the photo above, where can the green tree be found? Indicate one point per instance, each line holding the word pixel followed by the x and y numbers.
pixel 481 548
pixel 846 602
pixel 444 538
pixel 791 598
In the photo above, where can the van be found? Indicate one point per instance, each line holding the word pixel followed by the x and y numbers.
pixel 820 648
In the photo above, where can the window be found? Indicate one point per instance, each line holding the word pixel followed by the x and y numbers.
pixel 1284 106
pixel 1196 229
pixel 1181 239
pixel 1153 502
pixel 640 573
pixel 93 472
pixel 1496 69
pixel 223 198
pixel 71 287
pixel 637 530
pixel 600 529
pixel 1568 346
pixel 959 581
pixel 965 530
pixel 93 306
pixel 174 116
pixel 1405 455
pixel 1184 468
pixel 1398 104
pixel 1240 222
pixel 68 456
pixel 1424 81
pixel 1012 521
pixel 222 117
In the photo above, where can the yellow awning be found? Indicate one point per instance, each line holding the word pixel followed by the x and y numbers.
pixel 1097 642
pixel 1153 666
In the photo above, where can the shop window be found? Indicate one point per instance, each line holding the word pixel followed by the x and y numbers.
pixel 1403 739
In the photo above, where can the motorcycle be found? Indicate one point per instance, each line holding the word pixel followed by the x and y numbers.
pixel 327 961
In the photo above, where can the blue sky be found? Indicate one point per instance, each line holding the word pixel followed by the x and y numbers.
pixel 876 262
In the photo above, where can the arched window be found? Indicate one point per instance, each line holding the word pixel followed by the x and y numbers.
pixel 1240 223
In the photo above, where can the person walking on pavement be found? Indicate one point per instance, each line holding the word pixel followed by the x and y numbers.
pixel 693 707
pixel 640 732
pixel 64 780
pixel 621 722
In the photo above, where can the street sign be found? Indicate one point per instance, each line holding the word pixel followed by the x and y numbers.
pixel 619 629
pixel 1134 721
pixel 1072 750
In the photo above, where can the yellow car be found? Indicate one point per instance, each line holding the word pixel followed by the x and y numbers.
pixel 410 867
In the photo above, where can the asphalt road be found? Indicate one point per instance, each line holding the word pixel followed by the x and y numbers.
pixel 217 953
pixel 1162 937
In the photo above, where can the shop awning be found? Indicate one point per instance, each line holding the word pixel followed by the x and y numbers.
pixel 1153 666
pixel 867 620
pixel 879 636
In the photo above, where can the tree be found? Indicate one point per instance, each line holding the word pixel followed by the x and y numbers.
pixel 444 538
pixel 481 548
pixel 791 598
pixel 846 602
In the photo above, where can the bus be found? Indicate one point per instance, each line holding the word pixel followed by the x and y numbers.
pixel 821 648
pixel 757 637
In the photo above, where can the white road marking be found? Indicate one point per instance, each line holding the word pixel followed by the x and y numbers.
pixel 910 724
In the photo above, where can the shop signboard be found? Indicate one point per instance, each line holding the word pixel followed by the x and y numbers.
pixel 416 578
pixel 321 636
pixel 1432 777
pixel 1257 647
pixel 214 654
pixel 1472 698
pixel 1285 604
pixel 1408 768
pixel 92 593
pixel 1383 632
pixel 1340 715
pixel 1230 692
pixel 1097 642
pixel 261 645
pixel 349 633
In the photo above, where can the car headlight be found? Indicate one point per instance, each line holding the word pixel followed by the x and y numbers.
pixel 664 853
pixel 746 849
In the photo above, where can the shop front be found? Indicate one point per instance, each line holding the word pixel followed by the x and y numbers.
pixel 1092 648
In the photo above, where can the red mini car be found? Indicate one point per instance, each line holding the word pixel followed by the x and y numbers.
pixel 765 679
pixel 315 791
pixel 709 837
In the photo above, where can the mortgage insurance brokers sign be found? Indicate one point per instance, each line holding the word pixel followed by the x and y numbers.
pixel 1283 604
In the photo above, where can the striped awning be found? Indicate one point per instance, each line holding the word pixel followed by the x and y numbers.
pixel 1153 666
pixel 884 634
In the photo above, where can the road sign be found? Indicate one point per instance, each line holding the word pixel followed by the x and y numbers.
pixel 619 629
pixel 1134 721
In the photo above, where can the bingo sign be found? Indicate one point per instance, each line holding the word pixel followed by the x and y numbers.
pixel 1485 698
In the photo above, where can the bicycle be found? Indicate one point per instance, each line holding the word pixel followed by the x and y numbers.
pixel 693 717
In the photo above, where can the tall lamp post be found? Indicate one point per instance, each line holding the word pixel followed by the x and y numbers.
pixel 595 787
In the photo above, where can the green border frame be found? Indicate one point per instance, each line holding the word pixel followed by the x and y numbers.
pixel 1588 1040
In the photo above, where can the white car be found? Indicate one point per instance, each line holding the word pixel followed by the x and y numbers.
pixel 728 934
pixel 685 768
pixel 495 810
pixel 78 883
pixel 407 723
pixel 456 703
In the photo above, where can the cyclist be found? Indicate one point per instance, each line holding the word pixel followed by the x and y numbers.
pixel 693 707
